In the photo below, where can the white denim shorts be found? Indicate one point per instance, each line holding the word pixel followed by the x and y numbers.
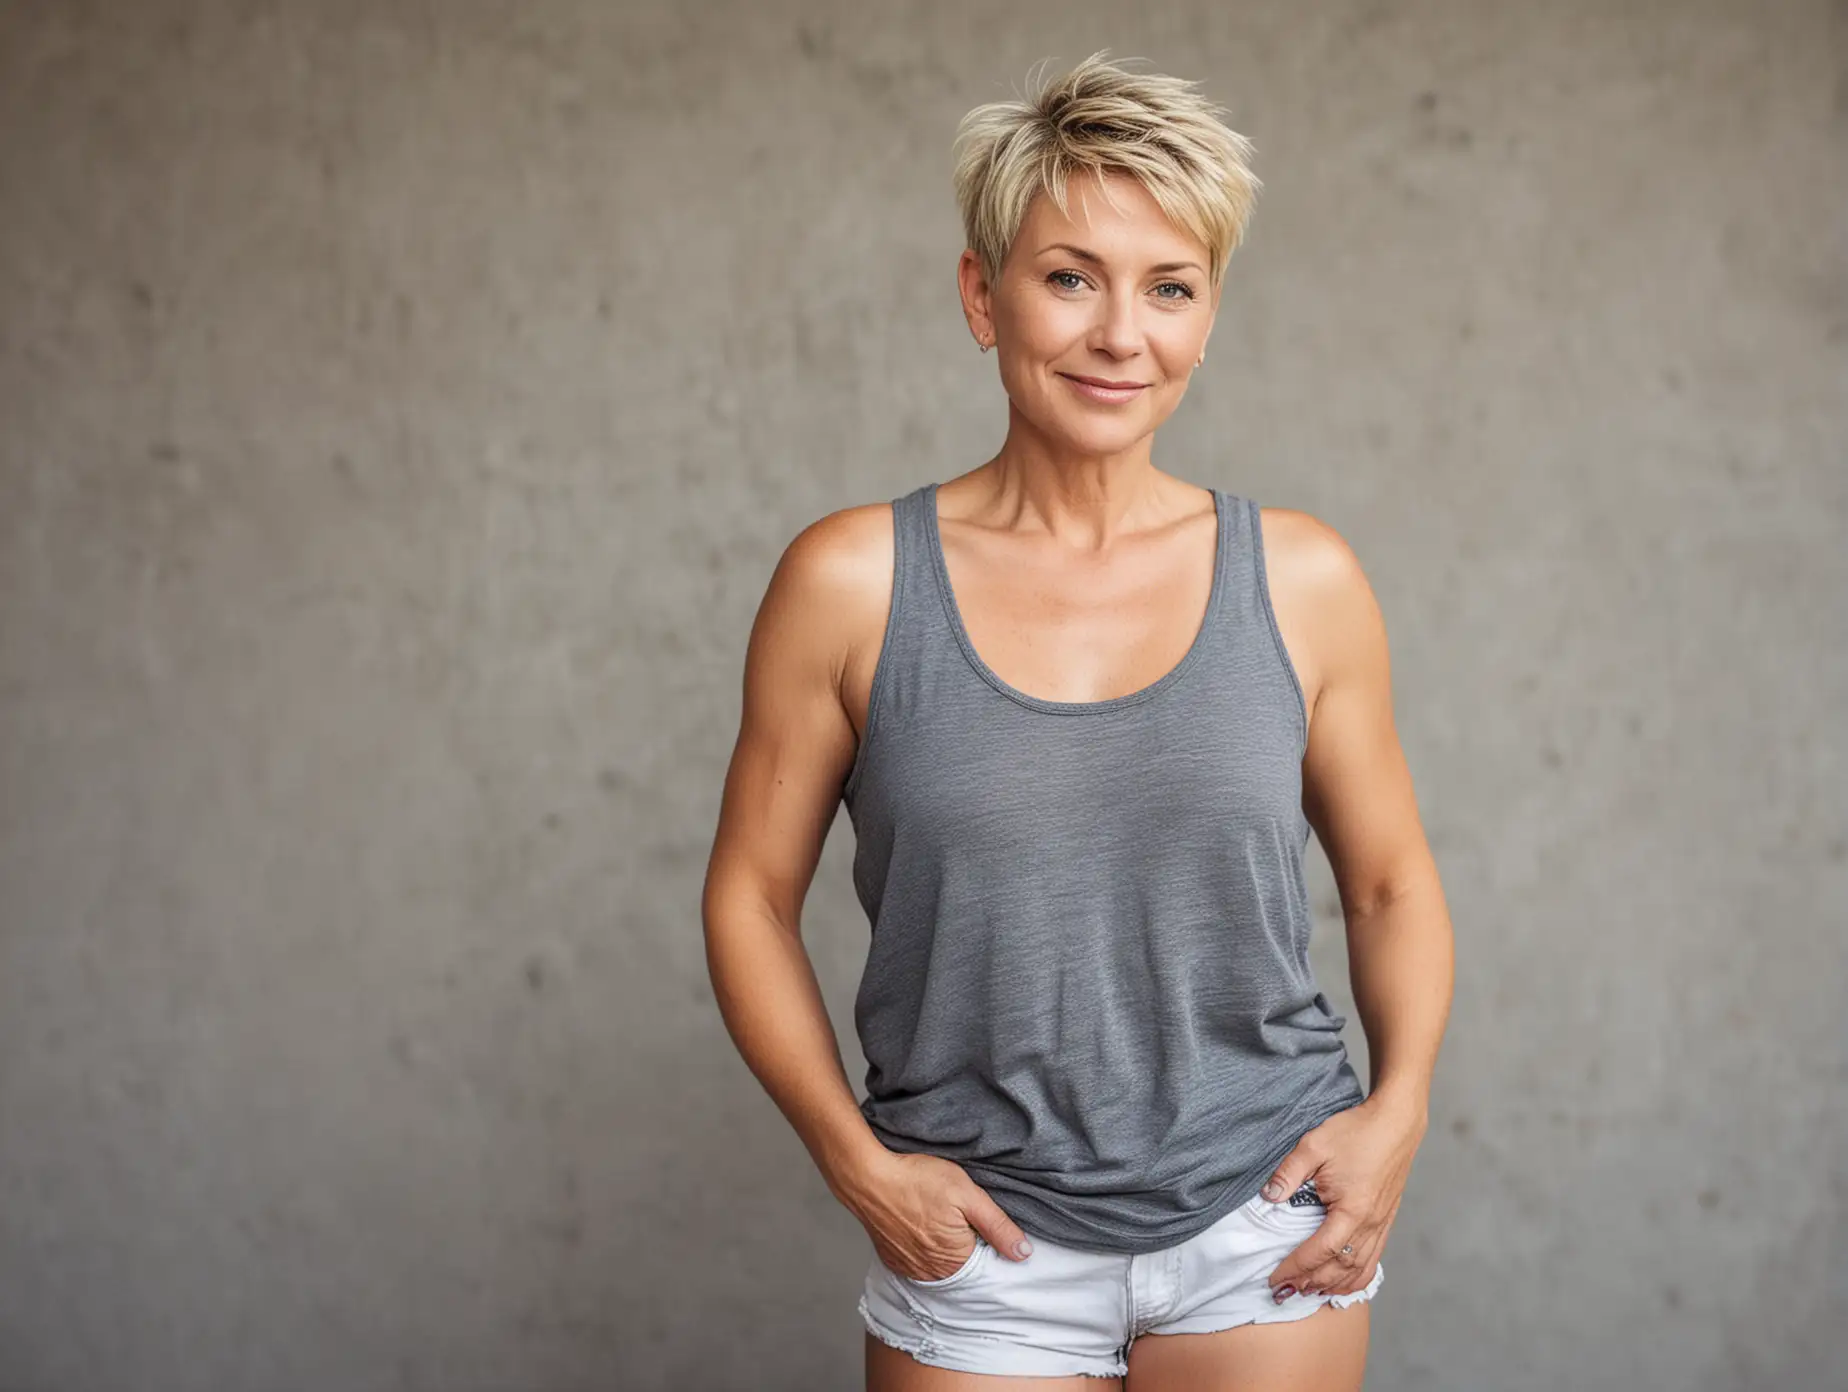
pixel 1063 1311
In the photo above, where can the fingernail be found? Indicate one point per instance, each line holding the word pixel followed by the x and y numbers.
pixel 1023 1248
pixel 1284 1293
pixel 1273 1190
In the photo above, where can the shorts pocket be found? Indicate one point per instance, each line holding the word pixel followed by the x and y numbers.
pixel 960 1274
pixel 1304 1215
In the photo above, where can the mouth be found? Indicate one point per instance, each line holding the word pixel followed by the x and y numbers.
pixel 1104 389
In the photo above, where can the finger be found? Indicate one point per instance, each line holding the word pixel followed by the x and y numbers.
pixel 927 1255
pixel 1369 1246
pixel 1344 1272
pixel 1288 1177
pixel 1347 1285
pixel 1349 1272
pixel 989 1219
pixel 1288 1276
pixel 1314 1253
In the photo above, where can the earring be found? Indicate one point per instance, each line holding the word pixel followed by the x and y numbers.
pixel 986 344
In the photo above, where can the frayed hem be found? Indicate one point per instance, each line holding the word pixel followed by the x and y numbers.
pixel 1341 1302
pixel 1295 1308
pixel 1366 1292
pixel 930 1354
pixel 917 1348
pixel 1347 1298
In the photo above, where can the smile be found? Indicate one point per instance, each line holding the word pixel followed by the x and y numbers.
pixel 1093 389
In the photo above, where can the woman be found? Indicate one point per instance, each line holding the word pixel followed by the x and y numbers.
pixel 1083 716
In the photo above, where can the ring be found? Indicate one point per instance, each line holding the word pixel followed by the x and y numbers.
pixel 1349 1248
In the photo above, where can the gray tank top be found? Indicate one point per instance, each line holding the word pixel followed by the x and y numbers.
pixel 1088 982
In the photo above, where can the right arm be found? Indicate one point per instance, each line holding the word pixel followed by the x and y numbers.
pixel 823 614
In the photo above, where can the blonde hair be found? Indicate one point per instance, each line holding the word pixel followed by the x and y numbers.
pixel 1100 118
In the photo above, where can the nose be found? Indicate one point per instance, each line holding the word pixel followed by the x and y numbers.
pixel 1117 331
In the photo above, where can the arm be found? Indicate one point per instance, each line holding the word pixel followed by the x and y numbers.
pixel 817 634
pixel 795 744
pixel 1358 796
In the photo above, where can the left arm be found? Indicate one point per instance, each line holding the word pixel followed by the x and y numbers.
pixel 1358 796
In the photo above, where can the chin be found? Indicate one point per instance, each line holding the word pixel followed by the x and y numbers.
pixel 1095 437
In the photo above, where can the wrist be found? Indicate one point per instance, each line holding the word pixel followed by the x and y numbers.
pixel 1410 1104
pixel 854 1173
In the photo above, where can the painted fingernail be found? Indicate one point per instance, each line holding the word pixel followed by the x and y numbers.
pixel 1284 1293
pixel 1023 1248
pixel 1273 1190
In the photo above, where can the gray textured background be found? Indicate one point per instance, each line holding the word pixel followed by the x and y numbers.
pixel 404 407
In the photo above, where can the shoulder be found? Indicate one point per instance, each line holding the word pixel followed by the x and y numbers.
pixel 839 557
pixel 832 585
pixel 1320 592
pixel 1309 562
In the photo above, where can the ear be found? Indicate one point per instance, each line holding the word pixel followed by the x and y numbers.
pixel 973 286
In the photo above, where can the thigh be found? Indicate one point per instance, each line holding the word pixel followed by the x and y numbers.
pixel 1325 1352
pixel 1226 1331
pixel 1055 1316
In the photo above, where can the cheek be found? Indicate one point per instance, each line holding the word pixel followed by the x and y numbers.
pixel 1176 349
pixel 1053 332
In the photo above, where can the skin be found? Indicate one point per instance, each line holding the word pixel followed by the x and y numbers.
pixel 1081 573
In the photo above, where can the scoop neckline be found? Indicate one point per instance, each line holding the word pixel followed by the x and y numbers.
pixel 953 613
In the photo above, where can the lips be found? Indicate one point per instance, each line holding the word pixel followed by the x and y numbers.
pixel 1103 382
pixel 1103 390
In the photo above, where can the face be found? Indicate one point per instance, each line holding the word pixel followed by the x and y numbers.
pixel 1119 296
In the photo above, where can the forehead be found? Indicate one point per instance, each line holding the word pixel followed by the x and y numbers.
pixel 1120 222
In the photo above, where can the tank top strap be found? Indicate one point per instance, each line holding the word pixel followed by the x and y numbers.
pixel 1250 633
pixel 1235 557
pixel 915 632
pixel 1226 557
pixel 914 581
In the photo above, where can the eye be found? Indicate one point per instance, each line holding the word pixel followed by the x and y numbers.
pixel 1187 292
pixel 1055 278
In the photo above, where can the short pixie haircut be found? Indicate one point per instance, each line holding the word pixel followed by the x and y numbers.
pixel 1100 118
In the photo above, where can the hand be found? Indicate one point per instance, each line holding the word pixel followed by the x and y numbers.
pixel 919 1211
pixel 1360 1159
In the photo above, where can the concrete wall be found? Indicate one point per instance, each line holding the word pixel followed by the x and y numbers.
pixel 404 407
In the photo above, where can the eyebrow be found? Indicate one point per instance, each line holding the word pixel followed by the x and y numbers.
pixel 1094 259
